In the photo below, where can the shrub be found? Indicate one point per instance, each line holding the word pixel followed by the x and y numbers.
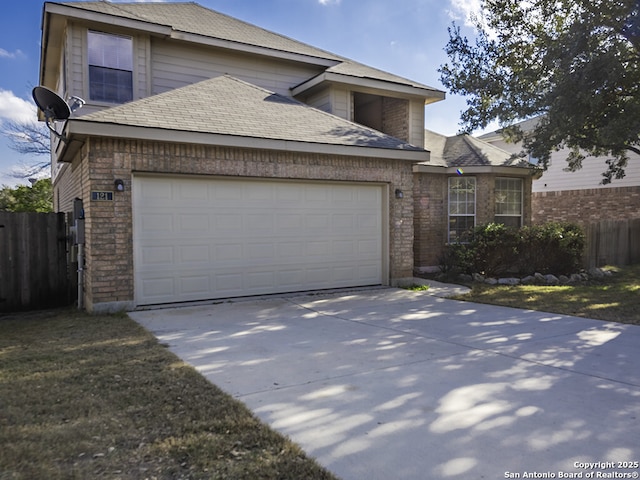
pixel 551 248
pixel 494 249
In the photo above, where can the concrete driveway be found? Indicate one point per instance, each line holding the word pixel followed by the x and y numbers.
pixel 390 384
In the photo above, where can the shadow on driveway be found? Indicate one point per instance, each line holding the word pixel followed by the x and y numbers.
pixel 386 383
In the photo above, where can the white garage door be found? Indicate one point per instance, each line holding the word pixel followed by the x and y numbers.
pixel 197 239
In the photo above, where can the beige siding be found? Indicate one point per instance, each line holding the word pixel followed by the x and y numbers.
pixel 416 123
pixel 588 177
pixel 174 65
pixel 77 63
pixel 320 100
pixel 341 100
pixel 141 47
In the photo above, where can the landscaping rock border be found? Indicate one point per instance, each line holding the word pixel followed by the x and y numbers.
pixel 540 279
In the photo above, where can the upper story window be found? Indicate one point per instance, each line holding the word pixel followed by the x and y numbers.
pixel 462 207
pixel 509 201
pixel 110 67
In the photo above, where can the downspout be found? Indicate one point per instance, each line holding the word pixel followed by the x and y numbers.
pixel 80 276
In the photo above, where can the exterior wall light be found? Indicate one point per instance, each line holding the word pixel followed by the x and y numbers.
pixel 399 193
pixel 119 185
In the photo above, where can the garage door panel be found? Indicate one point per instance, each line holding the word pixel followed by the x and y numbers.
pixel 291 279
pixel 293 195
pixel 196 239
pixel 192 191
pixel 157 288
pixel 160 194
pixel 228 252
pixel 317 222
pixel 262 222
pixel 259 193
pixel 228 284
pixel 156 222
pixel 227 224
pixel 157 255
pixel 195 223
pixel 260 252
pixel 194 285
pixel 193 253
pixel 290 221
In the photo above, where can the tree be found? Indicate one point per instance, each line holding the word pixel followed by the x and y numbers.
pixel 29 138
pixel 573 64
pixel 35 198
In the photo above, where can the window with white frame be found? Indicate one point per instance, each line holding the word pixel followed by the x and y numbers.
pixel 462 207
pixel 508 196
pixel 110 67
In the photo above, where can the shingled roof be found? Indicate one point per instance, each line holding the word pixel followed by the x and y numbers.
pixel 465 151
pixel 195 19
pixel 227 106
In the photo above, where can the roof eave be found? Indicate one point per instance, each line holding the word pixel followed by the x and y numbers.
pixel 77 13
pixel 76 129
pixel 251 49
pixel 518 171
pixel 366 83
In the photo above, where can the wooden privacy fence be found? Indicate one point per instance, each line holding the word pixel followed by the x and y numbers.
pixel 612 242
pixel 33 261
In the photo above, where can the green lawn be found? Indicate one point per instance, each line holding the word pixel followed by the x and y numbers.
pixel 615 299
pixel 85 396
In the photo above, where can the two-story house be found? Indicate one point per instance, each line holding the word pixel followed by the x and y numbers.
pixel 216 159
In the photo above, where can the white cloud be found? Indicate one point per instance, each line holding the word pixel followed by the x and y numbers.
pixel 15 108
pixel 329 2
pixel 6 54
pixel 465 10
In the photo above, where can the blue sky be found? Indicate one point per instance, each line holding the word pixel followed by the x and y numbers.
pixel 404 37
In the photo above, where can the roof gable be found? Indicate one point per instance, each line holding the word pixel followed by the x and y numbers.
pixel 466 151
pixel 193 19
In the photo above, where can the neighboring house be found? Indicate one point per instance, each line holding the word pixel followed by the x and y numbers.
pixel 579 196
pixel 215 159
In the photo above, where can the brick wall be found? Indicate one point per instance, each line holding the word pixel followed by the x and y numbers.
pixel 431 212
pixel 430 218
pixel 586 206
pixel 109 227
pixel 395 117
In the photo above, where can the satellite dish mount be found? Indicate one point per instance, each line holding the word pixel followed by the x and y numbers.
pixel 54 107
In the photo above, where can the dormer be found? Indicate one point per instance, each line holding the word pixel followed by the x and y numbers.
pixel 370 97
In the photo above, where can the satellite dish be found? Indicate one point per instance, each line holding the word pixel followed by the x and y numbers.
pixel 54 106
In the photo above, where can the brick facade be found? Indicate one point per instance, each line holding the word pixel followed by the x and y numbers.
pixel 395 117
pixel 109 227
pixel 586 206
pixel 430 218
pixel 431 212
